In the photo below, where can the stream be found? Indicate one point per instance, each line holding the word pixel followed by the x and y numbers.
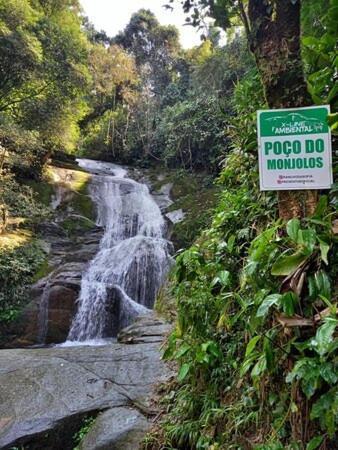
pixel 103 289
pixel 133 259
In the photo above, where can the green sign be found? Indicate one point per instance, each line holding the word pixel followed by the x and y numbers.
pixel 294 148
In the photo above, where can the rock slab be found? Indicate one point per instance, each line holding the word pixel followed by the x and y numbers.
pixel 43 391
pixel 116 429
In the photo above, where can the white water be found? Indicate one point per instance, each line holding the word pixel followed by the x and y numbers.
pixel 123 279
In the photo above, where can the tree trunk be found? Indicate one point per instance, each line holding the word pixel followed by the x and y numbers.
pixel 275 42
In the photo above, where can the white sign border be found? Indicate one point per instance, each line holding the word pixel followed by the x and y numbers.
pixel 260 162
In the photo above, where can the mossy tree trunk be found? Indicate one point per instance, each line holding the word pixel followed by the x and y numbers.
pixel 274 36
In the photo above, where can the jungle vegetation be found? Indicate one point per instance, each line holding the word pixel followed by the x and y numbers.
pixel 255 338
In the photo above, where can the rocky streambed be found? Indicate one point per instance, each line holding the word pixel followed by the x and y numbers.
pixel 46 393
pixel 98 274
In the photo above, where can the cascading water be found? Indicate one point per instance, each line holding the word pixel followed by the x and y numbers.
pixel 123 279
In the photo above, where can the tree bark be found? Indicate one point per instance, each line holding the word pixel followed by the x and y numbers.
pixel 275 42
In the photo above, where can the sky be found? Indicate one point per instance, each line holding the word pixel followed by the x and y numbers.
pixel 113 15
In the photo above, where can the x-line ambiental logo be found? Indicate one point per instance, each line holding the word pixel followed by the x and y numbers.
pixel 295 123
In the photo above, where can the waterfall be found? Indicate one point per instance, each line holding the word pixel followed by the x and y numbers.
pixel 123 279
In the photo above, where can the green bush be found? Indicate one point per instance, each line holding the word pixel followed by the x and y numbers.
pixel 18 265
pixel 191 134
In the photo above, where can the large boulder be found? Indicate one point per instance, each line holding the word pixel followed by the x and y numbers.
pixel 45 393
pixel 116 429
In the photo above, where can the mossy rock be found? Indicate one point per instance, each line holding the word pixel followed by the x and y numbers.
pixel 75 224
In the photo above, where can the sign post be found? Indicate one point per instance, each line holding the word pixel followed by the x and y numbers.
pixel 295 150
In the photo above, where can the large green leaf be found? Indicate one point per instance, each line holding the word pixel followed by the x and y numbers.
pixel 324 336
pixel 286 264
pixel 184 370
pixel 324 250
pixel 308 239
pixel 251 345
pixel 222 278
pixel 314 443
pixel 323 284
pixel 321 207
pixel 292 228
pixel 183 349
pixel 270 300
pixel 289 301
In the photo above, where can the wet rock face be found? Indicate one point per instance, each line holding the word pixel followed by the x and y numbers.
pixel 46 392
pixel 60 288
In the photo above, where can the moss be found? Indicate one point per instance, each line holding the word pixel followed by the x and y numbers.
pixel 196 194
pixel 68 165
pixel 44 188
pixel 86 425
pixel 77 206
pixel 44 270
pixel 79 180
pixel 75 225
pixel 197 208
pixel 81 202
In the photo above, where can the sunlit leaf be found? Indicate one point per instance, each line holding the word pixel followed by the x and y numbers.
pixel 270 300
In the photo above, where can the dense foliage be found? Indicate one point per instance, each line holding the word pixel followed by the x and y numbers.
pixel 166 106
pixel 255 340
pixel 256 330
pixel 20 261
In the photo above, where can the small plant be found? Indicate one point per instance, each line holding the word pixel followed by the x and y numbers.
pixel 83 431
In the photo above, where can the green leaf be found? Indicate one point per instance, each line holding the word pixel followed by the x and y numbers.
pixel 231 243
pixel 310 384
pixel 307 238
pixel 292 228
pixel 212 348
pixel 328 373
pixel 332 94
pixel 270 300
pixel 288 301
pixel 184 370
pixel 325 409
pixel 321 207
pixel 314 443
pixel 324 336
pixel 310 41
pixel 222 278
pixel 259 367
pixel 323 284
pixel 312 287
pixel 251 345
pixel 333 121
pixel 183 349
pixel 287 264
pixel 324 250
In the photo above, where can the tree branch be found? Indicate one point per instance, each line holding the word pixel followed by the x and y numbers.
pixel 244 19
pixel 22 99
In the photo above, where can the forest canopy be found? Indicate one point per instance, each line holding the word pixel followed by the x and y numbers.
pixel 255 295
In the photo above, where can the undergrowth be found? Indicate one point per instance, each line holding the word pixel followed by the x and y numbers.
pixel 21 258
pixel 255 337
